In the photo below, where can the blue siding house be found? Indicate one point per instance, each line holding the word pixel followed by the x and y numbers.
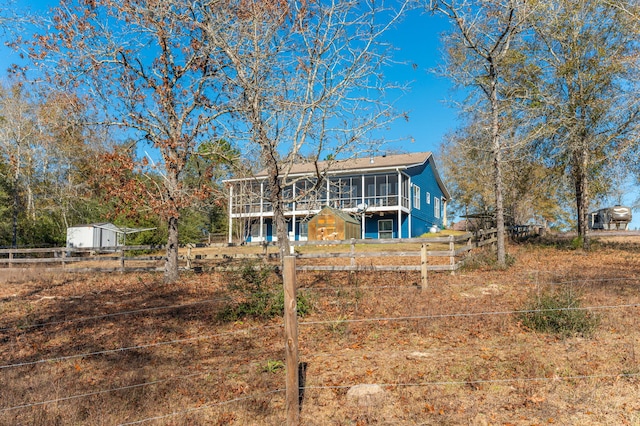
pixel 393 196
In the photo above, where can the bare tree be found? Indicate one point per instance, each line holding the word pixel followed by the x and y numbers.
pixel 530 188
pixel 309 83
pixel 587 55
pixel 18 147
pixel 145 64
pixel 479 52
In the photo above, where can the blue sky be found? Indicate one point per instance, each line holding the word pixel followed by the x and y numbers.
pixel 416 40
pixel 417 43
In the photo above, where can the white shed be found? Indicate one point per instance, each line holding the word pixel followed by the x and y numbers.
pixel 93 235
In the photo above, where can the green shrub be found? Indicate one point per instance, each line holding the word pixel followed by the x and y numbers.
pixel 577 243
pixel 558 312
pixel 259 290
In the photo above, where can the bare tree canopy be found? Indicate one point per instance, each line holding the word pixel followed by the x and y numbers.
pixel 587 57
pixel 480 55
pixel 559 81
pixel 309 81
pixel 146 64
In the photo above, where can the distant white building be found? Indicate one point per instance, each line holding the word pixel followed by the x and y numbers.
pixel 93 235
pixel 96 235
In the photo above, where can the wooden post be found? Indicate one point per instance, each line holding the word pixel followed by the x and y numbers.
pixel 423 267
pixel 353 253
pixel 122 259
pixel 291 341
pixel 10 259
pixel 63 254
pixel 452 254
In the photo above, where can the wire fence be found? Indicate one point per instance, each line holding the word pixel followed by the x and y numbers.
pixel 386 321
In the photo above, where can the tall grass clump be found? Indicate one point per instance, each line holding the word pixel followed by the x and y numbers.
pixel 558 312
pixel 485 259
pixel 257 292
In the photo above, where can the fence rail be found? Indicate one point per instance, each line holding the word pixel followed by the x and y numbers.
pixel 457 246
pixel 147 258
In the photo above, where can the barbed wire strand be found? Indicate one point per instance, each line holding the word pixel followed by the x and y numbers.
pixel 341 288
pixel 314 355
pixel 414 286
pixel 100 392
pixel 487 381
pixel 84 395
pixel 115 314
pixel 202 407
pixel 356 287
pixel 469 314
pixel 392 385
pixel 129 348
pixel 304 323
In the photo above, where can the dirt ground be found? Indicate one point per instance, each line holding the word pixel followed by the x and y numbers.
pixel 126 349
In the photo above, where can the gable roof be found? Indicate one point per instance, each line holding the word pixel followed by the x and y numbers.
pixel 111 227
pixel 338 213
pixel 384 162
pixel 362 165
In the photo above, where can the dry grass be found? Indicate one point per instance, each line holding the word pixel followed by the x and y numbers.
pixel 443 362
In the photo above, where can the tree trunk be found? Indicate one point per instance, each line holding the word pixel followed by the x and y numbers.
pixel 275 191
pixel 16 202
pixel 500 227
pixel 171 273
pixel 582 196
pixel 497 167
pixel 282 232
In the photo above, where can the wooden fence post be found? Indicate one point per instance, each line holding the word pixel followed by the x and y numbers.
pixel 423 267
pixel 121 258
pixel 10 259
pixel 291 341
pixel 452 254
pixel 353 253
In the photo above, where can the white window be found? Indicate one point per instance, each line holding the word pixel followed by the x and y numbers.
pixel 436 207
pixel 255 231
pixel 428 198
pixel 416 197
pixel 385 228
pixel 304 229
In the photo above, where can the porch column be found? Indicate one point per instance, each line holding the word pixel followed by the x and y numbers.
pixel 399 204
pixel 294 207
pixel 444 213
pixel 364 203
pixel 230 215
pixel 262 237
pixel 328 192
pixel 410 198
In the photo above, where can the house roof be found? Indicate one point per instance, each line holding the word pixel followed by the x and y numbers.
pixel 339 213
pixel 366 164
pixel 384 162
pixel 112 227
